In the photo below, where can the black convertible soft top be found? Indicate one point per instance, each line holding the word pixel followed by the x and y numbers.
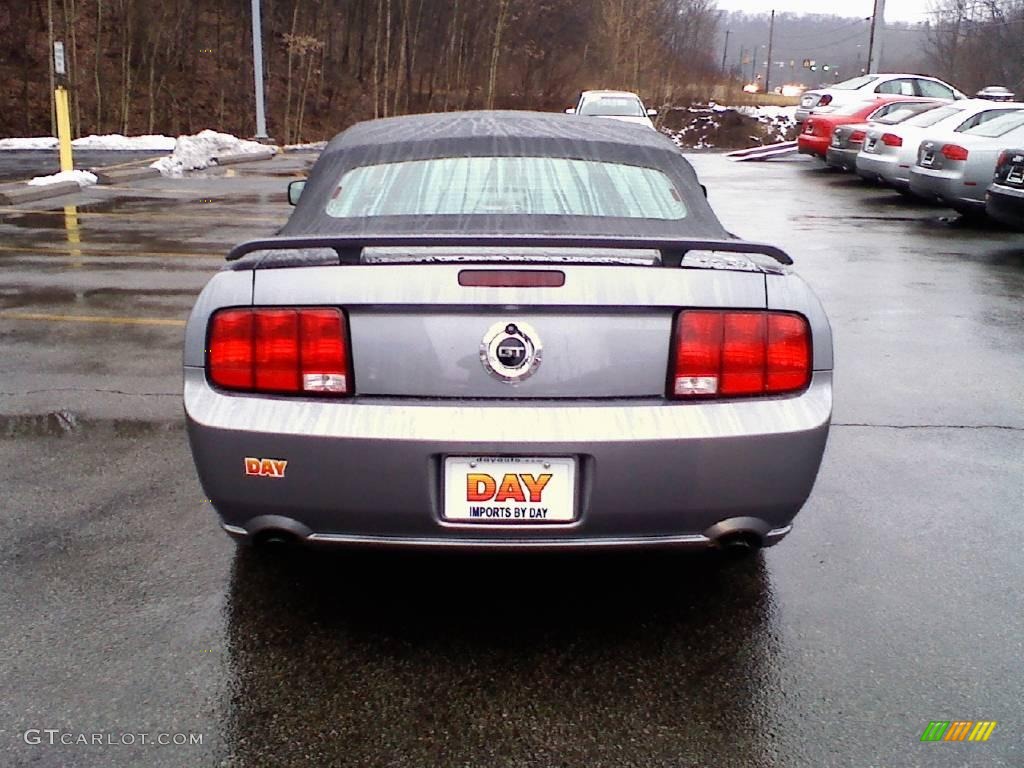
pixel 501 134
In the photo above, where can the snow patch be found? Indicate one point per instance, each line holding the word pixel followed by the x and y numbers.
pixel 316 145
pixel 82 178
pixel 111 141
pixel 193 153
pixel 34 142
pixel 155 142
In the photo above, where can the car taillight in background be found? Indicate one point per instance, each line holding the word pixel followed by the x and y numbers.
pixel 719 353
pixel 857 137
pixel 825 100
pixel 279 350
pixel 892 140
pixel 954 152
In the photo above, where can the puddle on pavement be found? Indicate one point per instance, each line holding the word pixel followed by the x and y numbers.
pixel 107 298
pixel 94 242
pixel 63 423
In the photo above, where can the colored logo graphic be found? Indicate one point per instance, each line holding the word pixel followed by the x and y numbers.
pixel 958 730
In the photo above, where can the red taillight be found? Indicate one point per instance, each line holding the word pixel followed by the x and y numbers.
pixel 735 354
pixel 892 140
pixel 1003 157
pixel 230 349
pixel 298 351
pixel 825 100
pixel 954 152
pixel 857 137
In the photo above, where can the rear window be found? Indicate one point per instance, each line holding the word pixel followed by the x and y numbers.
pixel 506 186
pixel 619 106
pixel 854 83
pixel 898 115
pixel 998 126
pixel 885 109
pixel 932 116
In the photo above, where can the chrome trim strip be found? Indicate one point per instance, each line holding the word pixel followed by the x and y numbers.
pixel 450 543
pixel 778 533
pixel 496 422
pixel 234 530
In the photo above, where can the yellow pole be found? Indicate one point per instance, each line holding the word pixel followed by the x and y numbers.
pixel 72 233
pixel 60 97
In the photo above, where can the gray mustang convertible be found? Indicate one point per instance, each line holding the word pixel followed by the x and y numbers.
pixel 507 330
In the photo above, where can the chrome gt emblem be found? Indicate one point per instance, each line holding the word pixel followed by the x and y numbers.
pixel 510 352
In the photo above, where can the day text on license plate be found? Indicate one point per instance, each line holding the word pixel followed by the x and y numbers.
pixel 509 489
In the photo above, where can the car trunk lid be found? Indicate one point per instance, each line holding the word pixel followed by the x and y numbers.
pixel 592 330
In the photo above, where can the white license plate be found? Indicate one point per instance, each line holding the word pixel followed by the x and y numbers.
pixel 871 144
pixel 836 141
pixel 509 489
pixel 928 158
pixel 1016 175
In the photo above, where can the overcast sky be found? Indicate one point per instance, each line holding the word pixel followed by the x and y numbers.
pixel 895 10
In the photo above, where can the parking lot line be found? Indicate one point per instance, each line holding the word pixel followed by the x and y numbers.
pixel 86 251
pixel 232 215
pixel 45 317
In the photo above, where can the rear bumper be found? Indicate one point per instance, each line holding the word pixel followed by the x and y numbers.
pixel 650 473
pixel 946 187
pixel 812 145
pixel 881 167
pixel 1006 205
pixel 843 158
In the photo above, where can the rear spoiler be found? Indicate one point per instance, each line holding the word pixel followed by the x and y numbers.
pixel 350 247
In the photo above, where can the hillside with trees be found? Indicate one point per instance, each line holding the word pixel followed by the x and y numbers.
pixel 978 42
pixel 178 66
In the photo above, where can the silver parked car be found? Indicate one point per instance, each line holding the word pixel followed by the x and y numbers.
pixel 889 152
pixel 1004 200
pixel 847 139
pixel 624 106
pixel 995 93
pixel 507 329
pixel 957 171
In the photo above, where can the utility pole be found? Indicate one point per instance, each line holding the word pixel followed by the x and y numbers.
pixel 742 50
pixel 875 41
pixel 257 70
pixel 768 65
pixel 725 50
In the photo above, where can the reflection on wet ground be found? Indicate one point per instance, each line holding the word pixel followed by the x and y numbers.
pixel 24 164
pixel 498 660
pixel 887 606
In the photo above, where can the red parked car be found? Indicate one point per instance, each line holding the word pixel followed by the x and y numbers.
pixel 817 130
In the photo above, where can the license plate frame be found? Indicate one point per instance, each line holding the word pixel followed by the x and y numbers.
pixel 1016 174
pixel 502 500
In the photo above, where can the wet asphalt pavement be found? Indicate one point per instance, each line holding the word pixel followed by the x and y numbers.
pixel 895 601
pixel 17 164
